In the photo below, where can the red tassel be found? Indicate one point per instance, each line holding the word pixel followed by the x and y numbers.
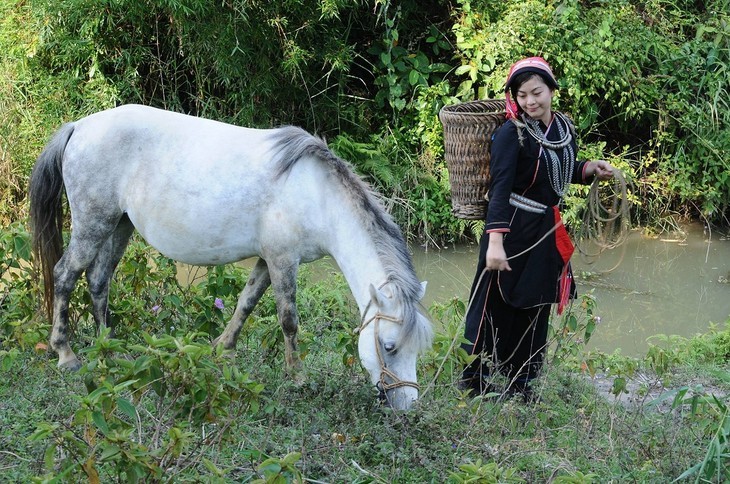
pixel 564 288
pixel 565 249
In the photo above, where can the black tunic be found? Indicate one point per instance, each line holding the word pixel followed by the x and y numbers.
pixel 508 312
pixel 517 168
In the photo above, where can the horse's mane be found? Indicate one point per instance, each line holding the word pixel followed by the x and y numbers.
pixel 291 144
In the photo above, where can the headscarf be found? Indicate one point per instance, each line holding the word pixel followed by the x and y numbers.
pixel 537 65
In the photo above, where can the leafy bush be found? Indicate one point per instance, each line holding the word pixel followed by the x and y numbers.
pixel 651 75
pixel 185 383
pixel 645 78
pixel 19 295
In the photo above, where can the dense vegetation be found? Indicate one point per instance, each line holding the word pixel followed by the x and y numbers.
pixel 647 82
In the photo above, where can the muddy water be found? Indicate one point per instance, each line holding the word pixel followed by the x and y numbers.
pixel 674 285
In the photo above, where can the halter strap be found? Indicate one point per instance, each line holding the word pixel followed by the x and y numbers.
pixel 384 371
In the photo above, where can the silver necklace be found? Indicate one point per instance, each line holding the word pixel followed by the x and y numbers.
pixel 559 171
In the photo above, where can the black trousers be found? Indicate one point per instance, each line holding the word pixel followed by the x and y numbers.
pixel 509 340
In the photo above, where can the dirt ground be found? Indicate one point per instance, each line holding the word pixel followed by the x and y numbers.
pixel 648 392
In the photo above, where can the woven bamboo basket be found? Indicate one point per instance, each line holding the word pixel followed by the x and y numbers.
pixel 468 129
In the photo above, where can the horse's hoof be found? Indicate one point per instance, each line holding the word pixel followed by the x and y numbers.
pixel 226 352
pixel 229 355
pixel 70 365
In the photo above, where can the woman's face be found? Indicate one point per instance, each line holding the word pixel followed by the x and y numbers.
pixel 535 99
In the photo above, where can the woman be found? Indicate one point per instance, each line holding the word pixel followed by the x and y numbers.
pixel 524 253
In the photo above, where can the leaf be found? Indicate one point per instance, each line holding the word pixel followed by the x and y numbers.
pixel 22 247
pixel 123 385
pixel 90 470
pixel 269 466
pixel 291 458
pixel 385 58
pixel 100 421
pixel 413 77
pixel 212 467
pixel 463 69
pixel 109 452
pixel 127 408
pixel 43 430
pixel 619 385
pixel 464 89
pixel 48 456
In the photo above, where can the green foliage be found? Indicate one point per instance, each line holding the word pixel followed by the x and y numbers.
pixel 570 333
pixel 282 470
pixel 189 382
pixel 713 414
pixel 696 112
pixel 478 472
pixel 446 359
pixel 19 295
pixel 162 54
pixel 400 74
pixel 715 465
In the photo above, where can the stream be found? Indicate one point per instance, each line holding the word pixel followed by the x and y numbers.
pixel 670 285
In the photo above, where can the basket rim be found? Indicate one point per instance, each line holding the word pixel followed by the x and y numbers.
pixel 457 110
pixel 495 102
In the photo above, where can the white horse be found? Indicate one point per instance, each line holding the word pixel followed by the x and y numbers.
pixel 207 193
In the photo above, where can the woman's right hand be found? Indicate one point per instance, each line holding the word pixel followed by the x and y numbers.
pixel 496 256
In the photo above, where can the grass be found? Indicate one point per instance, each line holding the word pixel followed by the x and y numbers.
pixel 340 433
pixel 159 405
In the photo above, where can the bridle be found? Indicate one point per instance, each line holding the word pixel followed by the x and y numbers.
pixel 396 382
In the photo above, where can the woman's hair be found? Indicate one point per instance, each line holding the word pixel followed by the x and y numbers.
pixel 523 77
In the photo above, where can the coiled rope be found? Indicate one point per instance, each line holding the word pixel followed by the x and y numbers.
pixel 606 221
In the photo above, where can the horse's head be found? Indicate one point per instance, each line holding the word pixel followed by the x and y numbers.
pixel 392 334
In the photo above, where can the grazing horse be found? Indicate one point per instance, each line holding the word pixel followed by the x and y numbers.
pixel 207 193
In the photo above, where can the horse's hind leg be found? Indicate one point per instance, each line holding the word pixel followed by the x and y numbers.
pixel 284 280
pixel 86 240
pixel 100 272
pixel 258 282
pixel 79 254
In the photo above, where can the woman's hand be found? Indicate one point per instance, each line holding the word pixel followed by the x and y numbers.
pixel 602 169
pixel 496 256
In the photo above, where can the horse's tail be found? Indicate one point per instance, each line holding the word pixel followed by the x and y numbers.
pixel 46 209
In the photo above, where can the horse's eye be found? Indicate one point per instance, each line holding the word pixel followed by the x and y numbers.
pixel 389 347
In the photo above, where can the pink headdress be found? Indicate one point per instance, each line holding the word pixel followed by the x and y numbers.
pixel 537 65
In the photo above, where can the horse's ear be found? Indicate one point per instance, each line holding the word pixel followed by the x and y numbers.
pixel 376 295
pixel 423 290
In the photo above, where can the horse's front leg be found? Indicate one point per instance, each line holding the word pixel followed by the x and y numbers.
pixel 258 281
pixel 284 280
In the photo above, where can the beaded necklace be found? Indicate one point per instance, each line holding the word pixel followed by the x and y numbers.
pixel 559 171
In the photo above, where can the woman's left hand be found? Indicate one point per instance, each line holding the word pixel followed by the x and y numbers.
pixel 602 169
